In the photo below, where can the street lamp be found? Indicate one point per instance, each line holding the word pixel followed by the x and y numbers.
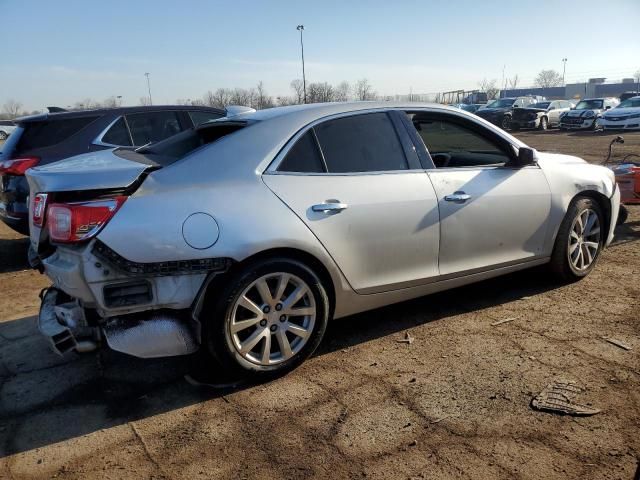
pixel 300 28
pixel 149 87
pixel 119 97
pixel 564 69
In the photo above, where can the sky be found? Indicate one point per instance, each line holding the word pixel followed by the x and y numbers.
pixel 60 52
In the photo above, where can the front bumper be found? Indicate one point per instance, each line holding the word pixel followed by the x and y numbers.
pixel 585 124
pixel 632 124
pixel 526 123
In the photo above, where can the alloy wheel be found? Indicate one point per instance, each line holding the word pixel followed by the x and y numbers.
pixel 272 319
pixel 584 239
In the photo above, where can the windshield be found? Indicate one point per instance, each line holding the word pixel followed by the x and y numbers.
pixel 630 102
pixel 469 108
pixel 589 104
pixel 543 105
pixel 502 103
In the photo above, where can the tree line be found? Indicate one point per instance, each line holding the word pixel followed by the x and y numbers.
pixel 256 97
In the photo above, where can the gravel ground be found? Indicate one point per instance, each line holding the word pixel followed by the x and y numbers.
pixel 453 404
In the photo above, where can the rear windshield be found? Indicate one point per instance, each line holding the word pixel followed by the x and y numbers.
pixel 45 133
pixel 541 105
pixel 174 148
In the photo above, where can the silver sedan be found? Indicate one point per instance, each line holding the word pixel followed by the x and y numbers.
pixel 246 235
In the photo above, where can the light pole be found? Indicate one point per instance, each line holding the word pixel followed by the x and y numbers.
pixel 149 87
pixel 119 97
pixel 300 28
pixel 564 69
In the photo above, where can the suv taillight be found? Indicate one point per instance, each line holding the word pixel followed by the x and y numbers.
pixel 39 209
pixel 18 166
pixel 75 222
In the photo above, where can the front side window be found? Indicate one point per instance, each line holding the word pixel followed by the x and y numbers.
pixel 452 144
pixel 153 126
pixel 361 143
pixel 118 134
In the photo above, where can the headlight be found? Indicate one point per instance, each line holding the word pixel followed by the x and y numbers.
pixel 637 115
pixel 589 114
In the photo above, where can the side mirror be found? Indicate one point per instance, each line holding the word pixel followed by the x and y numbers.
pixel 526 156
pixel 607 107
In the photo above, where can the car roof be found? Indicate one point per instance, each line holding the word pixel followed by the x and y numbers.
pixel 113 111
pixel 313 111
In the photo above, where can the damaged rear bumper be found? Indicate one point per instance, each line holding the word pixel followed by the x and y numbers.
pixel 144 310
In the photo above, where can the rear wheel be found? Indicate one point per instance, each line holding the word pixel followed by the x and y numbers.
pixel 579 240
pixel 269 319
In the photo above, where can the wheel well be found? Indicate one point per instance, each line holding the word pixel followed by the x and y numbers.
pixel 604 203
pixel 294 254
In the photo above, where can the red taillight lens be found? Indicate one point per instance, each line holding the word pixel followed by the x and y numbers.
pixel 75 222
pixel 18 166
pixel 39 208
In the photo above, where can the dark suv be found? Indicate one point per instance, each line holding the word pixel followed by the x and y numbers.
pixel 47 138
pixel 499 112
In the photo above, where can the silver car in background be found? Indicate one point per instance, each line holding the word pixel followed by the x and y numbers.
pixel 245 235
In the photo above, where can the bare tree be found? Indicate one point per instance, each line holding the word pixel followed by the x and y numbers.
pixel 111 102
pixel 318 92
pixel 263 100
pixel 298 87
pixel 363 90
pixel 285 101
pixel 342 92
pixel 513 82
pixel 12 108
pixel 489 87
pixel 548 78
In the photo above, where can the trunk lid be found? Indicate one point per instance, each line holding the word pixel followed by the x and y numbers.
pixel 96 172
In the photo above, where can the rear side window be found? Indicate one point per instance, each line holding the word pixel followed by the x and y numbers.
pixel 303 156
pixel 50 132
pixel 118 134
pixel 202 117
pixel 153 126
pixel 361 143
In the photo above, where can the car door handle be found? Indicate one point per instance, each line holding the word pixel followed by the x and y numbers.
pixel 329 207
pixel 457 197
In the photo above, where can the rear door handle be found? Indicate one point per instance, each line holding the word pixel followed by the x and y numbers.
pixel 329 207
pixel 457 197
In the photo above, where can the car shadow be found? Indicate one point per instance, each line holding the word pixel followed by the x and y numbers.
pixel 47 399
pixel 626 233
pixel 13 254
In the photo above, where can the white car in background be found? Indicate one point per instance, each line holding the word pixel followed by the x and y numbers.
pixel 625 116
pixel 6 127
pixel 586 113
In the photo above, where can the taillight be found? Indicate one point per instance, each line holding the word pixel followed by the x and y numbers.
pixel 18 166
pixel 39 209
pixel 75 222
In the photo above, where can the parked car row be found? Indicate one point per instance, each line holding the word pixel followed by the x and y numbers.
pixel 243 236
pixel 517 113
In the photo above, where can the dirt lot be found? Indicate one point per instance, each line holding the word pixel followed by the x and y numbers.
pixel 454 404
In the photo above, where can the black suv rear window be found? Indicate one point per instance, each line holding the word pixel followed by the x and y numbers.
pixel 50 132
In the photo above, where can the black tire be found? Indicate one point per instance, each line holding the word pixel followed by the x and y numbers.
pixel 217 316
pixel 560 263
pixel 623 214
pixel 505 123
pixel 544 124
pixel 3 135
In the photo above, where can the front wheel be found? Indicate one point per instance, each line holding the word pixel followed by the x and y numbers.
pixel 579 241
pixel 271 317
pixel 505 124
pixel 544 124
